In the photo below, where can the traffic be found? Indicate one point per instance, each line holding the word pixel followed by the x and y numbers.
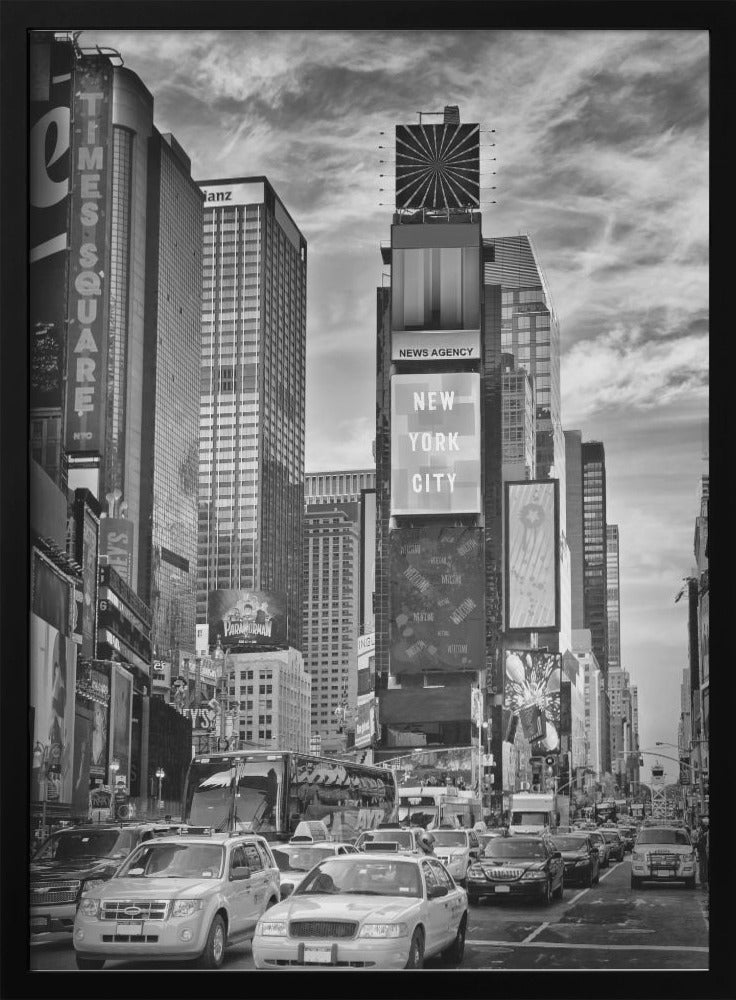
pixel 309 863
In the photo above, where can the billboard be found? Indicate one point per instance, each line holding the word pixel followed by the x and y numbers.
pixel 532 682
pixel 532 557
pixel 49 167
pixel 121 715
pixel 438 166
pixel 437 288
pixel 431 345
pixel 365 725
pixel 234 193
pixel 437 619
pixel 53 661
pixel 50 595
pixel 435 443
pixel 88 258
pixel 116 546
pixel 90 728
pixel 256 614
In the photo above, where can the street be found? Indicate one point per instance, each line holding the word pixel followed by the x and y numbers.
pixel 609 926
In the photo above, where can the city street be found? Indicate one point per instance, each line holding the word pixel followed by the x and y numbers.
pixel 606 927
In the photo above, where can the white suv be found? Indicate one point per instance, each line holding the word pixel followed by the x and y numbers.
pixel 457 849
pixel 178 898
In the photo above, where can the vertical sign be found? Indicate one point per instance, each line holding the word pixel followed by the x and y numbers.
pixel 121 716
pixel 89 253
pixel 50 97
pixel 532 561
pixel 116 546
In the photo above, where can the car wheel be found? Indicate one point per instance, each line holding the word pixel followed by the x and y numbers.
pixel 561 889
pixel 89 963
pixel 547 894
pixel 597 878
pixel 214 950
pixel 454 954
pixel 473 898
pixel 270 903
pixel 635 882
pixel 690 882
pixel 589 881
pixel 416 950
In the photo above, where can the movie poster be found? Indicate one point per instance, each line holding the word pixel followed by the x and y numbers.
pixel 53 669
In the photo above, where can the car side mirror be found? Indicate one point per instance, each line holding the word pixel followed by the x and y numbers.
pixel 286 890
pixel 556 854
pixel 435 891
pixel 240 874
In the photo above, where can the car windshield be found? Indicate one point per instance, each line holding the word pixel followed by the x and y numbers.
pixel 570 843
pixel 300 859
pixel 663 837
pixel 163 860
pixel 363 876
pixel 611 836
pixel 449 838
pixel 78 844
pixel 400 837
pixel 252 789
pixel 514 847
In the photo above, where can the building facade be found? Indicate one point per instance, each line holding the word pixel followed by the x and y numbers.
pixel 268 699
pixel 574 524
pixel 252 384
pixel 344 486
pixel 518 416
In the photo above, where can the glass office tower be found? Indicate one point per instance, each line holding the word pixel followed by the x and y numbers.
pixel 252 384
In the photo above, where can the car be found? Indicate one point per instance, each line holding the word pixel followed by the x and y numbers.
pixel 582 863
pixel 366 911
pixel 295 860
pixel 604 848
pixel 185 897
pixel 517 866
pixel 403 840
pixel 456 849
pixel 628 835
pixel 615 843
pixel 663 854
pixel 76 858
pixel 487 837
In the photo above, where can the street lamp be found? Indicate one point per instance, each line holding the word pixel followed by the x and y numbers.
pixel 114 768
pixel 160 774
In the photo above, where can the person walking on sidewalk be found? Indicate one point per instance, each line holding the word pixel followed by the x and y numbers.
pixel 702 846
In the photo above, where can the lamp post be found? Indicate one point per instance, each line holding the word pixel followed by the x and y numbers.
pixel 160 774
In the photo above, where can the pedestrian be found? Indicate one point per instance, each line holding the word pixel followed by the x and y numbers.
pixel 426 842
pixel 702 845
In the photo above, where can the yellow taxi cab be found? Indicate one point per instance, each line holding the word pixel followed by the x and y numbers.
pixel 366 911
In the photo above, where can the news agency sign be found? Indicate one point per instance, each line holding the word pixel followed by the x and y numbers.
pixel 89 256
pixel 435 345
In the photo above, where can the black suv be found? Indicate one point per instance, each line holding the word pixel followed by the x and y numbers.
pixel 76 858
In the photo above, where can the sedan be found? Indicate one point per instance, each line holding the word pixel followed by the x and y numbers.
pixel 604 848
pixel 615 844
pixel 582 866
pixel 517 866
pixel 368 911
pixel 295 860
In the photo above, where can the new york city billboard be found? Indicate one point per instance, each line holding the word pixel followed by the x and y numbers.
pixel 435 443
pixel 532 555
pixel 438 165
pixel 532 682
pixel 89 252
pixel 49 167
pixel 437 606
pixel 255 615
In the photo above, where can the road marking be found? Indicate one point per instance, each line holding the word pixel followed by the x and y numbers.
pixel 533 934
pixel 583 891
pixel 604 947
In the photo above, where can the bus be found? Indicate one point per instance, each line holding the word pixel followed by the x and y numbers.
pixel 269 793
pixel 423 805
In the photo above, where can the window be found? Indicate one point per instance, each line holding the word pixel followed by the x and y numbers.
pixel 226 378
pixel 237 858
pixel 253 857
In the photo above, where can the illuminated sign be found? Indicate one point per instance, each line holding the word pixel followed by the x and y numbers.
pixel 88 267
pixel 435 443
pixel 435 345
pixel 438 166
pixel 259 615
pixel 532 681
pixel 437 599
pixel 532 555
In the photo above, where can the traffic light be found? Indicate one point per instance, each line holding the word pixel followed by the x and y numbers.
pixel 551 763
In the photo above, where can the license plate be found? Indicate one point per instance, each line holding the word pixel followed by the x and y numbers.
pixel 662 874
pixel 503 888
pixel 129 927
pixel 321 955
pixel 39 924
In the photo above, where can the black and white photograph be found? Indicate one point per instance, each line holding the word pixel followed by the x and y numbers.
pixel 378 347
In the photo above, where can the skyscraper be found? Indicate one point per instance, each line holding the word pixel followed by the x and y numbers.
pixel 593 458
pixel 337 487
pixel 252 383
pixel 518 415
pixel 574 532
pixel 613 598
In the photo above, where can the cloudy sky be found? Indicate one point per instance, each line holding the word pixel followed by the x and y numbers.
pixel 601 154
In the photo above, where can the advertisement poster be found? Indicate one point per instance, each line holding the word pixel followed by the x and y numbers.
pixel 532 560
pixel 121 704
pixel 50 595
pixel 258 615
pixel 88 256
pixel 532 682
pixel 93 688
pixel 48 172
pixel 437 599
pixel 52 684
pixel 435 443
pixel 116 546
pixel 438 165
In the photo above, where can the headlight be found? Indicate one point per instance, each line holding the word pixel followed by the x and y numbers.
pixel 383 930
pixel 475 871
pixel 92 883
pixel 271 928
pixel 582 861
pixel 639 856
pixel 89 907
pixel 185 907
pixel 535 875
